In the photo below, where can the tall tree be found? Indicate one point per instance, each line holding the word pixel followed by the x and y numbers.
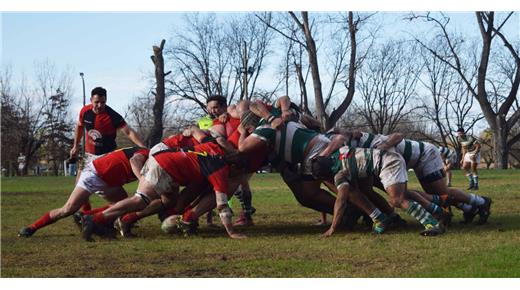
pixel 500 117
pixel 160 95
pixel 387 84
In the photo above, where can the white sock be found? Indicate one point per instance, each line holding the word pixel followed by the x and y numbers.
pixel 375 213
pixel 476 200
pixel 465 207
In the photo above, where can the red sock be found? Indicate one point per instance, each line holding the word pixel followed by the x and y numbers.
pixel 99 218
pixel 444 198
pixel 44 220
pixel 130 218
pixel 85 207
pixel 188 215
pixel 96 210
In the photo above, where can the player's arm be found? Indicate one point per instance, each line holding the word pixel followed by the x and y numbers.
pixel 249 142
pixel 233 111
pixel 259 109
pixel 78 134
pixel 337 142
pixel 137 162
pixel 284 103
pixel 339 208
pixel 392 141
pixel 132 135
pixel 219 181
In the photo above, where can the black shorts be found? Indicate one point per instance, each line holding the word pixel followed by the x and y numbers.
pixel 434 176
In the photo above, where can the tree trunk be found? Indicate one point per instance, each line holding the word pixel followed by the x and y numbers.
pixel 500 139
pixel 160 94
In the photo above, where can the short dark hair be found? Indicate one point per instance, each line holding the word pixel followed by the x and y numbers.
pixel 98 91
pixel 460 130
pixel 321 166
pixel 221 100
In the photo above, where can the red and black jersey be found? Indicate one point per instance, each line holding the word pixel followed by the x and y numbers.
pixel 115 169
pixel 180 141
pixel 204 163
pixel 101 129
pixel 231 127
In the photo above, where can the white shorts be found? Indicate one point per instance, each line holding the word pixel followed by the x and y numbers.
pixel 430 162
pixel 472 157
pixel 89 181
pixel 393 169
pixel 318 146
pixel 153 173
pixel 158 147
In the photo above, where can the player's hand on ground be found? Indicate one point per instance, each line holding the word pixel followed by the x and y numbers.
pixel 328 233
pixel 237 236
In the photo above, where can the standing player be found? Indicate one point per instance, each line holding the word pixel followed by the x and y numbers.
pixel 106 174
pixel 101 124
pixel 470 157
pixel 449 157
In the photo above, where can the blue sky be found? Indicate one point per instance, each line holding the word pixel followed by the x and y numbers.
pixel 112 49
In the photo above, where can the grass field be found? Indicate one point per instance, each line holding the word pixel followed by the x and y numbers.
pixel 281 244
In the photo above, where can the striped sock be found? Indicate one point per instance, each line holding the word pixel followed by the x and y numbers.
pixel 435 209
pixel 475 179
pixel 376 215
pixel 420 214
pixel 436 199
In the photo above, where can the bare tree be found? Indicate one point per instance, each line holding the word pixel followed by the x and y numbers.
pixel 209 58
pixel 160 95
pixel 500 117
pixel 387 83
pixel 449 104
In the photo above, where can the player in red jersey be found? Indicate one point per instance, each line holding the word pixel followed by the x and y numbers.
pixel 106 174
pixel 164 173
pixel 101 124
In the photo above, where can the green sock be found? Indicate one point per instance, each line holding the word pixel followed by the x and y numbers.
pixel 436 199
pixel 420 214
pixel 470 178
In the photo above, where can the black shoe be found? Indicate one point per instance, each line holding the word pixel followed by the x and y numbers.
pixel 446 217
pixel 187 228
pixel 475 187
pixel 396 221
pixel 26 232
pixel 431 231
pixel 484 211
pixel 469 216
pixel 87 228
pixel 77 219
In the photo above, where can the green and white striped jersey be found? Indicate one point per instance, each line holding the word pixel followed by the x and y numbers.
pixel 411 151
pixel 367 140
pixel 468 142
pixel 351 163
pixel 446 152
pixel 289 142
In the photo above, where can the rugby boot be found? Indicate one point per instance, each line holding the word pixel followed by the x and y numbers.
pixel 380 225
pixel 484 211
pixel 76 217
pixel 26 232
pixel 187 228
pixel 470 215
pixel 87 228
pixel 244 220
pixel 124 229
pixel 432 230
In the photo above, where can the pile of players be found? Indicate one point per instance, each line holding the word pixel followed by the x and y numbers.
pixel 190 174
